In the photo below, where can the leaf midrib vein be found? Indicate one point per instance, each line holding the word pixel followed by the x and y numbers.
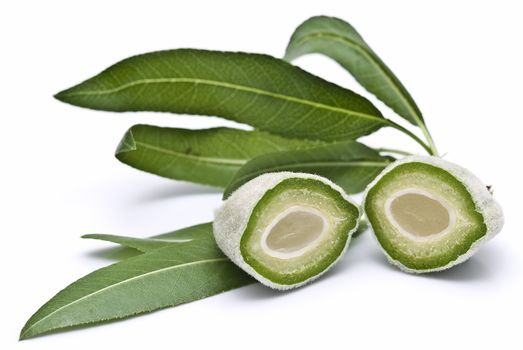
pixel 223 161
pixel 373 61
pixel 120 283
pixel 122 238
pixel 230 86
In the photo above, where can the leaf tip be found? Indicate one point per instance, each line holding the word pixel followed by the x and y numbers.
pixel 62 96
pixel 24 334
pixel 127 143
pixel 59 96
pixel 228 190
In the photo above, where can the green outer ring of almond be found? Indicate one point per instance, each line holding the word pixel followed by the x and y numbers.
pixel 251 209
pixel 478 216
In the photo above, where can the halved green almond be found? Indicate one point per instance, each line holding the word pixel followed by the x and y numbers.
pixel 286 229
pixel 429 214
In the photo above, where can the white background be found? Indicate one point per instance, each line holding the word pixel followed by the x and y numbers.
pixel 462 63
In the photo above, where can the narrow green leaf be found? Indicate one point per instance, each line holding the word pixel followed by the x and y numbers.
pixel 195 232
pixel 209 156
pixel 338 40
pixel 148 244
pixel 265 92
pixel 178 238
pixel 141 244
pixel 160 278
pixel 351 165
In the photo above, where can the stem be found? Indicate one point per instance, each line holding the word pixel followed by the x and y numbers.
pixel 427 148
pixel 392 150
pixel 428 137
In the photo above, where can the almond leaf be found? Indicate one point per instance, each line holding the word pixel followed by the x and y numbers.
pixel 208 156
pixel 265 92
pixel 157 279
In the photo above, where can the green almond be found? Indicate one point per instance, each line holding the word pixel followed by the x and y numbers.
pixel 429 214
pixel 286 229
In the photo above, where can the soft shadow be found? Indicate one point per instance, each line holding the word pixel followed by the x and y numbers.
pixel 258 291
pixel 168 191
pixel 358 239
pixel 356 254
pixel 479 267
pixel 116 253
pixel 378 258
pixel 469 271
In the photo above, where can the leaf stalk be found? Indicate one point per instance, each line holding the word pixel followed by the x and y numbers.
pixel 406 131
pixel 429 139
pixel 393 150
